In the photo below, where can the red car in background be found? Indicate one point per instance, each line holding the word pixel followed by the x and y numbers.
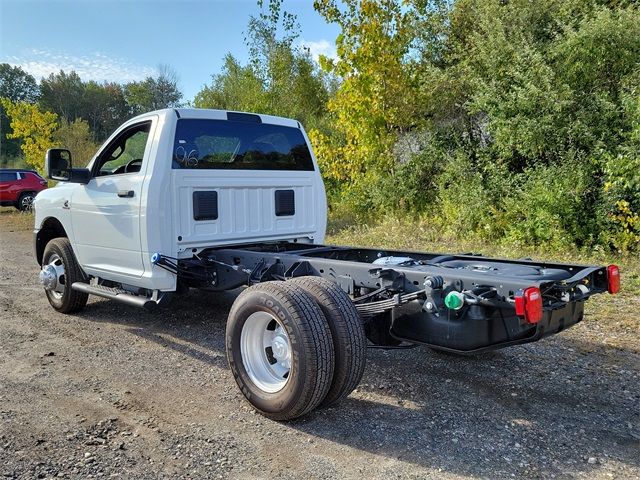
pixel 18 188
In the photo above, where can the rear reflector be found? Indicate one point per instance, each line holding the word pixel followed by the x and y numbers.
pixel 613 279
pixel 529 304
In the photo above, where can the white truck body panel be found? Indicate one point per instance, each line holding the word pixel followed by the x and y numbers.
pixel 246 207
pixel 114 237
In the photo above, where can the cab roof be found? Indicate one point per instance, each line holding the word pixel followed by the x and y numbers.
pixel 230 115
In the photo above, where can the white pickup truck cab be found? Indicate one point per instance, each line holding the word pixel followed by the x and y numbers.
pixel 209 199
pixel 176 180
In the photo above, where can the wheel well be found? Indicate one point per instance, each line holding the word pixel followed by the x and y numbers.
pixel 51 228
pixel 24 192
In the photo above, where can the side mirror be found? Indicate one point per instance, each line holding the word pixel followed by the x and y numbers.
pixel 57 164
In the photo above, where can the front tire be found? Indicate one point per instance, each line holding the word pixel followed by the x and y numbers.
pixel 60 270
pixel 280 350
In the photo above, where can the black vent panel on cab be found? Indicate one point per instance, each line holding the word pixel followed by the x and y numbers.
pixel 285 203
pixel 205 205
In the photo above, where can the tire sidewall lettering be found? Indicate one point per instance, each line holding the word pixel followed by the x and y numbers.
pixel 275 307
pixel 267 303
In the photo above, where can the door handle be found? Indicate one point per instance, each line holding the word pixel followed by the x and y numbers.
pixel 125 193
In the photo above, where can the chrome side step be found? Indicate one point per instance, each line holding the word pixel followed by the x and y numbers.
pixel 116 294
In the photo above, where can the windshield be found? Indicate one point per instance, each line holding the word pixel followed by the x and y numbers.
pixel 225 144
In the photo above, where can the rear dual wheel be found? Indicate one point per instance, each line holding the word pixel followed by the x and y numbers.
pixel 349 341
pixel 280 350
pixel 287 346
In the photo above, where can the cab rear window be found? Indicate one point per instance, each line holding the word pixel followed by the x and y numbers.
pixel 237 145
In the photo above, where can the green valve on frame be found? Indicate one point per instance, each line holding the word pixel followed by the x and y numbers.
pixel 454 300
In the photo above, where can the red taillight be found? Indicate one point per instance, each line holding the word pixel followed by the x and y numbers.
pixel 613 279
pixel 529 304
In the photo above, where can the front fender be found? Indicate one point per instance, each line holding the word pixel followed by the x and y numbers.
pixel 52 217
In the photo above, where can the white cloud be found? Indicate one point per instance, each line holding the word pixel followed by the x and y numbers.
pixel 320 47
pixel 96 66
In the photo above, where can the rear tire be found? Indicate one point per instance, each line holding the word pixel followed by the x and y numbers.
pixel 280 350
pixel 60 257
pixel 25 202
pixel 349 341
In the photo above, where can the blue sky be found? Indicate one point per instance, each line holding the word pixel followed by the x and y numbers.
pixel 126 40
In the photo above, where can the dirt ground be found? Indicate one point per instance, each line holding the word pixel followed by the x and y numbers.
pixel 116 392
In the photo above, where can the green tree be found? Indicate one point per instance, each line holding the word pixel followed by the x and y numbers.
pixel 236 87
pixel 597 60
pixel 621 202
pixel 374 100
pixel 104 107
pixel 62 94
pixel 280 78
pixel 154 93
pixel 17 85
pixel 510 120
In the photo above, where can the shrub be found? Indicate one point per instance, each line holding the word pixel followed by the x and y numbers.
pixel 412 186
pixel 550 207
pixel 464 205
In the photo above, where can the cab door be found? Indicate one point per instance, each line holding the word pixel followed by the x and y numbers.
pixel 8 186
pixel 105 213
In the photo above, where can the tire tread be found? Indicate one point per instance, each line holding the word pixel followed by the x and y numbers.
pixel 347 332
pixel 75 301
pixel 316 345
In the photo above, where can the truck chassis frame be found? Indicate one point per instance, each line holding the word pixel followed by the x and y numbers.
pixel 401 294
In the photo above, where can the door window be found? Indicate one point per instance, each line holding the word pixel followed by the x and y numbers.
pixel 125 154
pixel 7 176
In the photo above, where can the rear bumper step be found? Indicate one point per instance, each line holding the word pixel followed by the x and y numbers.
pixel 116 294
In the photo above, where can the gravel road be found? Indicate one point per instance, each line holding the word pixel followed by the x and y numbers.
pixel 116 392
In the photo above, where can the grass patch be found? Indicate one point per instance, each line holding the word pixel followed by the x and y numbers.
pixel 12 220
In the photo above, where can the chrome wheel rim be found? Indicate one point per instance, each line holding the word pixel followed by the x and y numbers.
pixel 27 202
pixel 266 351
pixel 52 276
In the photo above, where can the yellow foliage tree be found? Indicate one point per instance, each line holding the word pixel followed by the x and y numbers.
pixel 34 128
pixel 76 136
pixel 373 101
